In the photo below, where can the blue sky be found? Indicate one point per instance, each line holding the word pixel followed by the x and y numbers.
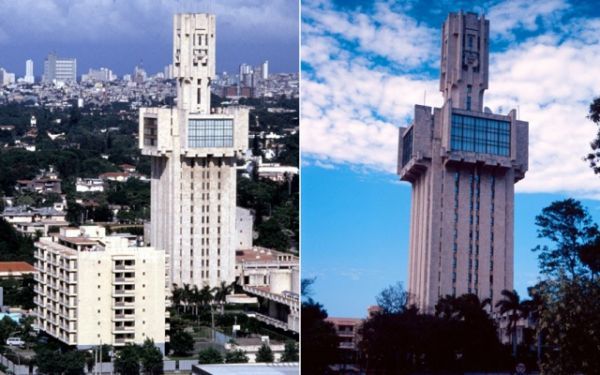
pixel 364 67
pixel 120 33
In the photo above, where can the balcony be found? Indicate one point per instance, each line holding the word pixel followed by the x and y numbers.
pixel 123 329
pixel 123 317
pixel 123 293
pixel 124 304
pixel 123 280
pixel 124 267
pixel 123 341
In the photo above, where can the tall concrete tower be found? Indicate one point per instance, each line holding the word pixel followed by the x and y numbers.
pixel 194 150
pixel 462 162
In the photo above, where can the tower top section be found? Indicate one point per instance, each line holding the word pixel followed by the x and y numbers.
pixel 464 64
pixel 194 62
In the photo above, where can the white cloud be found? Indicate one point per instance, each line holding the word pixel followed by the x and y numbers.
pixel 112 20
pixel 352 106
pixel 512 15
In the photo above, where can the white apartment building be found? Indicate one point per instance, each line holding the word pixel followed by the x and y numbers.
pixel 88 185
pixel 95 289
pixel 193 151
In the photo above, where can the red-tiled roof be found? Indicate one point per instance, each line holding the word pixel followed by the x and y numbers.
pixel 16 267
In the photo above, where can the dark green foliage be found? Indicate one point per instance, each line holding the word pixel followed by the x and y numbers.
pixel 291 151
pixel 13 245
pixel 264 354
pixel 151 358
pixel 209 356
pixel 290 353
pixel 181 342
pixel 512 306
pixel 276 211
pixel 319 339
pixel 236 356
pixel 53 362
pixel 460 337
pixel 133 358
pixel 7 328
pixel 127 361
pixel 570 322
pixel 568 226
pixel 18 292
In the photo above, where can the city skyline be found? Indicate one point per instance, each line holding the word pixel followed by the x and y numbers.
pixel 127 41
pixel 350 122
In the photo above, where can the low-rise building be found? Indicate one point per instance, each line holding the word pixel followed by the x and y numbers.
pixel 47 181
pixel 273 277
pixel 15 269
pixel 35 220
pixel 89 185
pixel 277 172
pixel 95 289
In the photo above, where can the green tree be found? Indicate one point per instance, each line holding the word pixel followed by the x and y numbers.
pixel 393 299
pixel 181 342
pixel 568 226
pixel 570 321
pixel 264 354
pixel 151 358
pixel 210 356
pixel 290 353
pixel 236 356
pixel 512 306
pixel 127 361
pixel 318 338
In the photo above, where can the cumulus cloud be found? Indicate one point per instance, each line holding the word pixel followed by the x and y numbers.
pixel 352 103
pixel 514 15
pixel 112 20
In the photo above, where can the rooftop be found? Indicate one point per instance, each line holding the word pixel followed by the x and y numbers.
pixel 248 368
pixel 16 267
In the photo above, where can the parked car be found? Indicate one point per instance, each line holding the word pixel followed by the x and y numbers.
pixel 15 341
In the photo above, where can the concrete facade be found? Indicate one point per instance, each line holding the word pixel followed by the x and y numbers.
pixel 462 162
pixel 273 277
pixel 244 228
pixel 60 69
pixel 194 150
pixel 95 289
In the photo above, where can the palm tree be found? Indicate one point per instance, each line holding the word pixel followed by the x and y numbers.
pixel 206 295
pixel 221 293
pixel 176 296
pixel 511 305
pixel 195 298
pixel 186 295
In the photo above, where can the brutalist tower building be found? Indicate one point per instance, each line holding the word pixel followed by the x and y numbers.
pixel 462 162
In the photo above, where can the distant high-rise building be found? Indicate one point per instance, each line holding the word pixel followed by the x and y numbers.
pixel 265 70
pixel 193 153
pixel 60 69
pixel 462 162
pixel 29 77
pixel 6 78
pixel 99 75
pixel 139 74
pixel 168 71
